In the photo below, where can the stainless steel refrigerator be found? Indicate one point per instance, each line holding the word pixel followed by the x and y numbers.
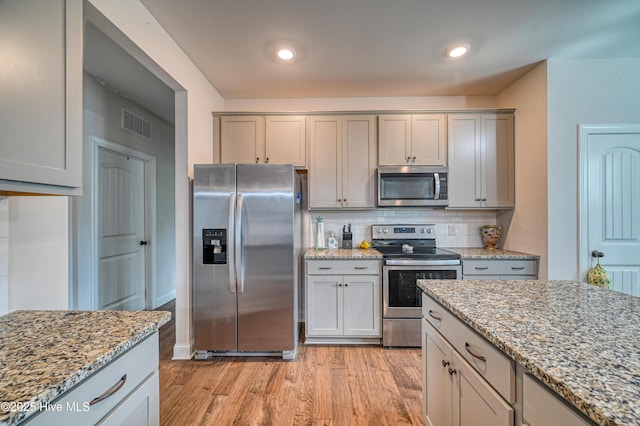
pixel 246 252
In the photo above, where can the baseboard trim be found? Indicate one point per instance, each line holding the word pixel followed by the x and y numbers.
pixel 181 352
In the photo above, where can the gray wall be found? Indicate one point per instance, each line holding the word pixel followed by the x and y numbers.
pixel 102 118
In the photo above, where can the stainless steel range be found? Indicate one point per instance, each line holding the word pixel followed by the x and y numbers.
pixel 410 254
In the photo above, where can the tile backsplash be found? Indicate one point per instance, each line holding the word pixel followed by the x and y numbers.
pixel 4 255
pixel 454 228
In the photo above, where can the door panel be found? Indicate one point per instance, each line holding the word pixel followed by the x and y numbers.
pixel 214 302
pixel 121 258
pixel 613 205
pixel 438 384
pixel 266 298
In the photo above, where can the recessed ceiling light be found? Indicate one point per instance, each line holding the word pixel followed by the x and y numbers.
pixel 286 54
pixel 458 50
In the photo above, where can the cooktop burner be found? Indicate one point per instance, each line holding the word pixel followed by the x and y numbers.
pixel 409 241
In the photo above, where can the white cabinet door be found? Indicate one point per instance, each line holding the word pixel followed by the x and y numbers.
pixel 343 164
pixel 242 139
pixel 325 172
pixel 498 170
pixel 540 407
pixel 41 86
pixel 362 305
pixel 428 142
pixel 324 305
pixel 395 139
pixel 437 381
pixel 359 162
pixel 481 161
pixel 474 400
pixel 285 140
pixel 465 188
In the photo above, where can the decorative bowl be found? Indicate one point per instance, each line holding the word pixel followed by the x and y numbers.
pixel 490 235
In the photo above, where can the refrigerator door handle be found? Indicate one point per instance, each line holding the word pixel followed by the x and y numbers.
pixel 238 245
pixel 232 258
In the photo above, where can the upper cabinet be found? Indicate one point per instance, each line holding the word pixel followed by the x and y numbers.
pixel 342 171
pixel 259 139
pixel 481 161
pixel 412 139
pixel 41 107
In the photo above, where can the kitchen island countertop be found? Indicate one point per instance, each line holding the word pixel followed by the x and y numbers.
pixel 342 254
pixel 43 354
pixel 582 341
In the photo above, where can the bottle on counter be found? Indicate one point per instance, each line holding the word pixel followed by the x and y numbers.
pixel 320 242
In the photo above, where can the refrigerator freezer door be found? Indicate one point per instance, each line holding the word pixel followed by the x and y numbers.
pixel 266 302
pixel 214 298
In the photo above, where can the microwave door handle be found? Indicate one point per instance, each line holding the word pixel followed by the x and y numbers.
pixel 436 195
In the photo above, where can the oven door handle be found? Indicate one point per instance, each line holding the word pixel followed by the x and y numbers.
pixel 413 262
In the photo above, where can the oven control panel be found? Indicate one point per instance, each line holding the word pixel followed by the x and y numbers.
pixel 395 232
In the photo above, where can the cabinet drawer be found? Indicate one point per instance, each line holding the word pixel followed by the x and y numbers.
pixel 499 267
pixel 486 359
pixel 137 364
pixel 343 267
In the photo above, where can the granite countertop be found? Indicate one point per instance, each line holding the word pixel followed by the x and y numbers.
pixel 582 341
pixel 342 254
pixel 45 353
pixel 482 253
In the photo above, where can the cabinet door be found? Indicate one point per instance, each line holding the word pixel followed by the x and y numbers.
pixel 325 172
pixel 358 161
pixel 285 140
pixel 362 305
pixel 394 145
pixel 437 381
pixel 498 172
pixel 324 305
pixel 140 408
pixel 464 146
pixel 474 400
pixel 242 139
pixel 428 142
pixel 41 86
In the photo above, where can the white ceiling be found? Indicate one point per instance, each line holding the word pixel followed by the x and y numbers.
pixel 350 48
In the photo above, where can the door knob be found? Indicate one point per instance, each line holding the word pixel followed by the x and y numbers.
pixel 597 253
pixel 143 243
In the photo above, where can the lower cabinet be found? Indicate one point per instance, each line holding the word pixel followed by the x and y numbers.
pixel 541 408
pixel 124 392
pixel 453 393
pixel 343 301
pixel 500 269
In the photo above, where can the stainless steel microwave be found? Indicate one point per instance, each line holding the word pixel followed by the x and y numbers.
pixel 412 186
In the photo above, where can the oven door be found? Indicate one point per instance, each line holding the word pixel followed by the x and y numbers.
pixel 402 297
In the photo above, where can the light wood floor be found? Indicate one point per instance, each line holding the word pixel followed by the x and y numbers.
pixel 326 385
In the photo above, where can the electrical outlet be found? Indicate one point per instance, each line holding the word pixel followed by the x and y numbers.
pixel 453 229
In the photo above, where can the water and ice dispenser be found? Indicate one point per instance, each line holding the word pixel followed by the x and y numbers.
pixel 214 246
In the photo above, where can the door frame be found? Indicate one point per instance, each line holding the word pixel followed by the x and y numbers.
pixel 149 215
pixel 584 131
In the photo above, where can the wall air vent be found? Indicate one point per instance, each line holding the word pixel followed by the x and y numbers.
pixel 136 124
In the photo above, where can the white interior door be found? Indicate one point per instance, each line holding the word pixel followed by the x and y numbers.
pixel 121 232
pixel 610 207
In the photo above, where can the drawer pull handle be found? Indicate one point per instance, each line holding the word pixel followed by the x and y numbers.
pixel 467 346
pixel 481 268
pixel 115 388
pixel 434 316
pixel 361 267
pixel 325 267
pixel 517 268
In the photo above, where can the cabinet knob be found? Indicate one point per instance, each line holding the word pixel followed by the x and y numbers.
pixel 144 243
pixel 445 363
pixel 408 159
pixel 452 371
pixel 339 200
pixel 346 285
pixel 266 160
pixel 339 285
pixel 257 160
pixel 414 159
